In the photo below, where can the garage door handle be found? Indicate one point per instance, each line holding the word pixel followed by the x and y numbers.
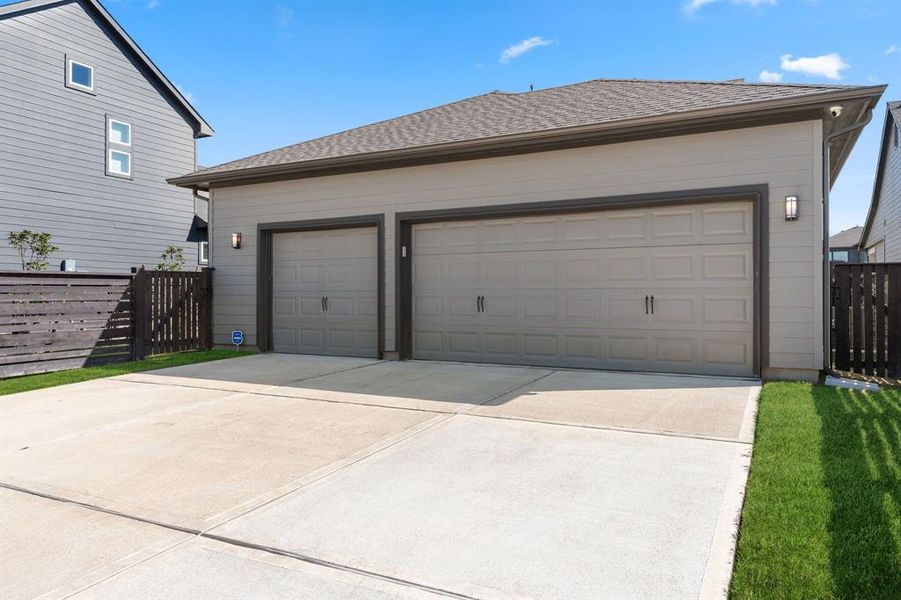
pixel 479 301
pixel 652 305
pixel 326 304
pixel 645 305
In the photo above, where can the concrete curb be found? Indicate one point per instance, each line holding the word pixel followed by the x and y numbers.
pixel 721 558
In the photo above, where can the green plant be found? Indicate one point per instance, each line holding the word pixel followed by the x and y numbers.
pixel 33 248
pixel 173 259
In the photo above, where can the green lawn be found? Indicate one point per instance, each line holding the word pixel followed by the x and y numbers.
pixel 822 515
pixel 43 380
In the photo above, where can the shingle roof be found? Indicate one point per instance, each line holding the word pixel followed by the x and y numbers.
pixel 847 238
pixel 502 113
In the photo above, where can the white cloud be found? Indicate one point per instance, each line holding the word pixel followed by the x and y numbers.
pixel 188 95
pixel 829 66
pixel 151 4
pixel 770 76
pixel 517 50
pixel 692 6
pixel 891 49
pixel 284 15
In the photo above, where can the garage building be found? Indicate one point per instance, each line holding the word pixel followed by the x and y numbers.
pixel 614 224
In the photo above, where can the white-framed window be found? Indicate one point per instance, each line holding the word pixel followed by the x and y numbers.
pixel 203 253
pixel 118 162
pixel 119 142
pixel 79 75
pixel 119 132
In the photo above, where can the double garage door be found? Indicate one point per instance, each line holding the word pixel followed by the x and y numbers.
pixel 656 289
pixel 659 289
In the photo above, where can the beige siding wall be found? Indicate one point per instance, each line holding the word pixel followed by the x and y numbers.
pixel 886 226
pixel 785 157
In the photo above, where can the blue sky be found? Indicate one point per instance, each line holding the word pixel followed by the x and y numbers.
pixel 268 74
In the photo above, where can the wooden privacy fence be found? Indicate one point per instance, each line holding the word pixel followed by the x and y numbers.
pixel 172 311
pixel 55 321
pixel 866 318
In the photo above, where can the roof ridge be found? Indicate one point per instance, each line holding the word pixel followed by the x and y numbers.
pixel 729 82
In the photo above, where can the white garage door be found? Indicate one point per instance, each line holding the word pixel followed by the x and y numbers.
pixel 657 289
pixel 325 292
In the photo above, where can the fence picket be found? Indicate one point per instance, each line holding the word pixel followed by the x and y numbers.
pixel 893 321
pixel 879 315
pixel 868 336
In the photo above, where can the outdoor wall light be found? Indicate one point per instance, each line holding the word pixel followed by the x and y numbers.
pixel 791 208
pixel 236 240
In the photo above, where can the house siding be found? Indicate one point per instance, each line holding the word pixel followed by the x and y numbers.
pixel 786 158
pixel 887 220
pixel 53 147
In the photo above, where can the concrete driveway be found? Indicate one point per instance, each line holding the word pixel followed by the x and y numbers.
pixel 283 476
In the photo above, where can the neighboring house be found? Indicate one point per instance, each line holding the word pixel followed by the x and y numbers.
pixel 844 246
pixel 616 224
pixel 89 131
pixel 882 232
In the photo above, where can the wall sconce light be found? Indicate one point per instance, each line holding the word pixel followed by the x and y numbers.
pixel 791 208
pixel 236 240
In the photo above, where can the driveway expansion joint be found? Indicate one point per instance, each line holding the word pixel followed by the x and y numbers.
pixel 232 542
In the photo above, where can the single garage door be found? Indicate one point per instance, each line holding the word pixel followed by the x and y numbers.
pixel 325 292
pixel 656 289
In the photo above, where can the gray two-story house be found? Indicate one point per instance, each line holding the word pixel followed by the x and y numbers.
pixel 90 129
pixel 881 238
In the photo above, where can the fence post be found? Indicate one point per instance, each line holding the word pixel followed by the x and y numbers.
pixel 206 308
pixel 841 304
pixel 879 310
pixel 141 303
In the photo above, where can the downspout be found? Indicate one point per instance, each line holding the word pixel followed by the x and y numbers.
pixel 827 275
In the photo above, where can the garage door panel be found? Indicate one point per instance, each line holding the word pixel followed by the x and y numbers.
pixel 462 342
pixel 660 226
pixel 723 310
pixel 674 266
pixel 730 263
pixel 499 346
pixel 308 267
pixel 582 308
pixel 727 222
pixel 710 265
pixel 626 307
pixel 575 290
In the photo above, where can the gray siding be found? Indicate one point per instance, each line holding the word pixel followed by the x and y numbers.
pixel 787 158
pixel 53 140
pixel 887 220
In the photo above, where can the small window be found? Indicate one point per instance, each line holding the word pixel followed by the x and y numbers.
pixel 840 256
pixel 119 163
pixel 119 132
pixel 79 75
pixel 895 136
pixel 203 253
